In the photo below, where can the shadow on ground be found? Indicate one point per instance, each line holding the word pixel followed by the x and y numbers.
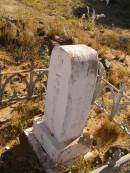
pixel 117 14
pixel 20 159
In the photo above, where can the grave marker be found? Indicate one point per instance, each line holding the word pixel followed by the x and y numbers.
pixel 71 84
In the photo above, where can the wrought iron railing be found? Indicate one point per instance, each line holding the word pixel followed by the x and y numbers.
pixel 21 85
pixel 31 83
pixel 113 101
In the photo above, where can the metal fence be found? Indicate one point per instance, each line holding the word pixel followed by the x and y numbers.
pixel 31 83
pixel 112 101
pixel 26 84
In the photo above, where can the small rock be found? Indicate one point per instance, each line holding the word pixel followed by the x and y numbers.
pixel 122 59
pixel 57 38
pixel 100 16
pixel 90 156
pixel 40 30
pixel 83 16
pixel 7 148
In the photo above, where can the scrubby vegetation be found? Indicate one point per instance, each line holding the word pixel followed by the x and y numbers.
pixel 29 34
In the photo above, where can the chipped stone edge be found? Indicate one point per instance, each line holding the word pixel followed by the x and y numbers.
pixel 42 156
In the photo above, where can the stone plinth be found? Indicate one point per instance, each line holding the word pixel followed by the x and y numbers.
pixel 71 83
pixel 60 152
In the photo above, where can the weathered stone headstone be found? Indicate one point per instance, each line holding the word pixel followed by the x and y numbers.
pixel 71 83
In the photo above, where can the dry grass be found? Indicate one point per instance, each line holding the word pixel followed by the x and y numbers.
pixel 24 113
pixel 19 36
pixel 22 118
pixel 118 74
pixel 20 32
pixel 35 4
pixel 110 39
pixel 80 166
pixel 55 21
pixel 115 40
pixel 53 7
pixel 55 18
pixel 107 133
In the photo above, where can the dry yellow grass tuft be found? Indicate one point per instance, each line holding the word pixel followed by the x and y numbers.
pixel 53 7
pixel 80 165
pixel 109 38
pixel 107 133
pixel 24 113
pixel 116 40
pixel 38 4
pixel 118 74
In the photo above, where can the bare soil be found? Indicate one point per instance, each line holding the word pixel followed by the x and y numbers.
pixel 12 7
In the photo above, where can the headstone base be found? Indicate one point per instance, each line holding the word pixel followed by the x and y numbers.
pixel 42 156
pixel 50 152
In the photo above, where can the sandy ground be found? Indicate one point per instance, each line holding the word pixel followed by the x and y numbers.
pixel 11 7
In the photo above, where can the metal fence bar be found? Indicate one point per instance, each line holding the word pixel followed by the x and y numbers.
pixel 120 101
pixel 29 78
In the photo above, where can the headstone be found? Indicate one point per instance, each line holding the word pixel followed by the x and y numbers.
pixel 71 83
